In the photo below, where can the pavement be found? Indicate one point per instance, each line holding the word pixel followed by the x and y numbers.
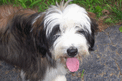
pixel 103 64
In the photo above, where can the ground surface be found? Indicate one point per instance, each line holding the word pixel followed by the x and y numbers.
pixel 104 64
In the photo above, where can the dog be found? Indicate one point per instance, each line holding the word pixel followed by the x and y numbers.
pixel 46 45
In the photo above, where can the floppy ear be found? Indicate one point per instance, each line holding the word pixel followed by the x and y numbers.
pixel 94 25
pixel 42 47
pixel 41 43
pixel 94 28
pixel 38 34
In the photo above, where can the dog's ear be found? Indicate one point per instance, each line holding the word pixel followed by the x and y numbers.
pixel 41 43
pixel 39 36
pixel 94 28
pixel 42 47
pixel 94 25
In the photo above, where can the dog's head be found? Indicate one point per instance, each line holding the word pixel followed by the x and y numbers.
pixel 69 32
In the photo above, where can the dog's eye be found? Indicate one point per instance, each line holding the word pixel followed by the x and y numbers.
pixel 77 27
pixel 56 36
pixel 80 31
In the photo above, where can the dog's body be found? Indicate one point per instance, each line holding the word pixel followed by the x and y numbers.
pixel 40 43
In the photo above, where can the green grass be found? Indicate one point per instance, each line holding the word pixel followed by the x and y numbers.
pixel 120 29
pixel 82 73
pixel 95 6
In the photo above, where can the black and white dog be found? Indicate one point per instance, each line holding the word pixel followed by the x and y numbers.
pixel 45 45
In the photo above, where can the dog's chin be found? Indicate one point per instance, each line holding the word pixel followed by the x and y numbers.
pixel 73 65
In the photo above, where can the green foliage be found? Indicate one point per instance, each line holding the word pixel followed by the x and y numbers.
pixel 82 73
pixel 108 20
pixel 117 12
pixel 120 29
pixel 95 6
pixel 98 10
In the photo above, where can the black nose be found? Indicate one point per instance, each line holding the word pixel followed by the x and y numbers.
pixel 72 51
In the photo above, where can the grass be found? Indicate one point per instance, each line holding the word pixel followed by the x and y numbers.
pixel 82 73
pixel 120 29
pixel 95 6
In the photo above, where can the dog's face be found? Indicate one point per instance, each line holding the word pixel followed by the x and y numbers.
pixel 68 40
pixel 68 31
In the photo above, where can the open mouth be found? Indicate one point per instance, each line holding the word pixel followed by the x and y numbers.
pixel 72 63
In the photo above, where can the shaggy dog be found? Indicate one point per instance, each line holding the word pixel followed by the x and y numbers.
pixel 45 45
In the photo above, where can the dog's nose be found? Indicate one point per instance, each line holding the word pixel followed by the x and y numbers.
pixel 72 51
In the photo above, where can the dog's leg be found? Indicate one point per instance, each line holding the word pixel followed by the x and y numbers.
pixel 60 78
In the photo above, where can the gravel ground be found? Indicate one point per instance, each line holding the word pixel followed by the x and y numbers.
pixel 104 64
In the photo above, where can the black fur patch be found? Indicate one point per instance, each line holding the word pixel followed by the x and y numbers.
pixel 90 37
pixel 25 49
pixel 52 37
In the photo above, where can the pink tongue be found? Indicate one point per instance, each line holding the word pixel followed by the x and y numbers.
pixel 72 64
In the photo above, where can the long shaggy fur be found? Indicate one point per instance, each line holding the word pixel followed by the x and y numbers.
pixel 18 45
pixel 26 38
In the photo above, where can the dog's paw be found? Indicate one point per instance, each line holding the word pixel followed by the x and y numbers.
pixel 60 78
